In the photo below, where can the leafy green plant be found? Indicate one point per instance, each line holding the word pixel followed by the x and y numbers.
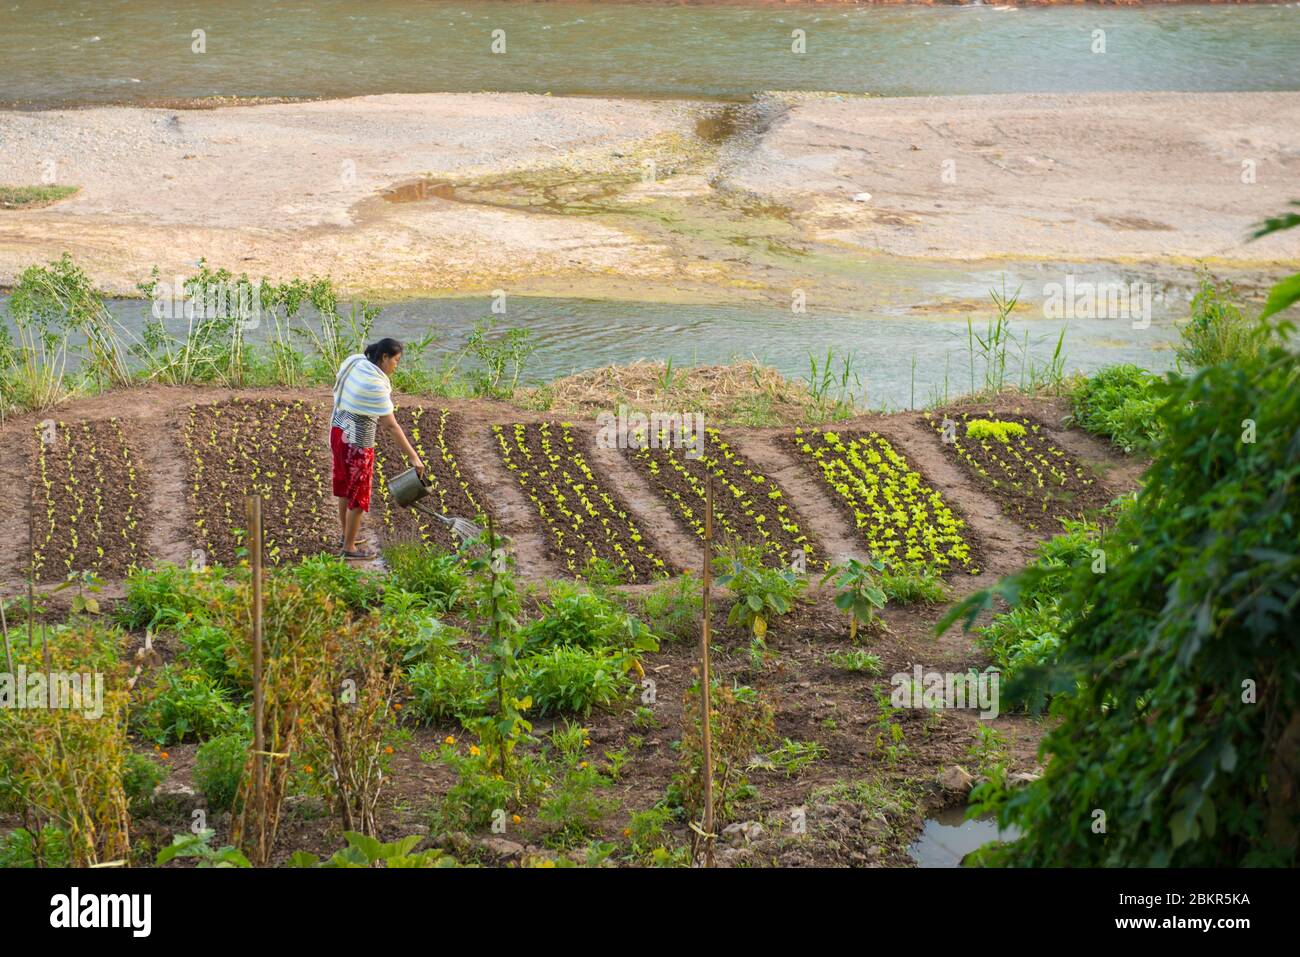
pixel 792 758
pixel 573 680
pixel 438 578
pixel 219 767
pixel 1122 403
pixel 363 851
pixel 673 608
pixel 183 704
pixel 199 846
pixel 1216 331
pixel 449 687
pixel 141 776
pixel 761 593
pixel 500 361
pixel 581 619
pixel 913 584
pixel 860 593
pixel 855 660
pixel 356 587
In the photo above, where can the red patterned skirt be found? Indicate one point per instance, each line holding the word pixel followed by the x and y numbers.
pixel 353 469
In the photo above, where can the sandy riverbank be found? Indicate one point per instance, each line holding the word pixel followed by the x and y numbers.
pixel 649 199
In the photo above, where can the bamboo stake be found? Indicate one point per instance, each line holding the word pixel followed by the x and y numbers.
pixel 706 687
pixel 259 733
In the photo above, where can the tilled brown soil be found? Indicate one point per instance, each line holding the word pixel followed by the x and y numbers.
pixel 585 518
pixel 749 506
pixel 89 496
pixel 437 435
pixel 1033 479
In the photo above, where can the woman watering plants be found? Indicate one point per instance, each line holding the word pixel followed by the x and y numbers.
pixel 363 397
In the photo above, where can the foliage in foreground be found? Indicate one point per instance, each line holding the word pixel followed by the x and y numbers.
pixel 1179 731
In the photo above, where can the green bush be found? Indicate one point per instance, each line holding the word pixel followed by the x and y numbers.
pixel 448 687
pixel 674 608
pixel 1183 712
pixel 1121 403
pixel 169 597
pixel 438 578
pixel 183 704
pixel 356 587
pixel 219 769
pixel 208 647
pixel 140 778
pixel 913 584
pixel 582 619
pixel 48 847
pixel 572 680
pixel 1216 331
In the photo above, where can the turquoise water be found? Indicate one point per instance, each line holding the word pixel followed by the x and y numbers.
pixel 94 51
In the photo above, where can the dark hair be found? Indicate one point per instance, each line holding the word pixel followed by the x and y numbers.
pixel 383 349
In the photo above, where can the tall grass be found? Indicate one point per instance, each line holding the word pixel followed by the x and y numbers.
pixel 990 355
pixel 199 333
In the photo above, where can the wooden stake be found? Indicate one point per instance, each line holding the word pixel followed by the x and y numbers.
pixel 706 687
pixel 259 732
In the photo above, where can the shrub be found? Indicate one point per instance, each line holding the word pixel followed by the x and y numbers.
pixel 66 764
pixel 910 584
pixel 169 596
pixel 674 608
pixel 573 680
pixel 761 593
pixel 1183 715
pixel 1121 403
pixel 219 768
pixel 183 704
pixel 448 687
pixel 48 847
pixel 1216 331
pixel 582 619
pixel 356 587
pixel 140 779
pixel 438 578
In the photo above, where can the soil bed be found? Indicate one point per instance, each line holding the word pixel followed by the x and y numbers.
pixel 436 435
pixel 896 510
pixel 585 520
pixel 267 446
pixel 1034 481
pixel 88 501
pixel 748 506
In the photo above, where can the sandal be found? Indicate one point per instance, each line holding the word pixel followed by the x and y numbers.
pixel 359 555
pixel 360 541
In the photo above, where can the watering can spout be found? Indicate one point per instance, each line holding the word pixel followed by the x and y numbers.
pixel 408 487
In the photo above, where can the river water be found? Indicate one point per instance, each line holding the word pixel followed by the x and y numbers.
pixel 55 52
pixel 899 361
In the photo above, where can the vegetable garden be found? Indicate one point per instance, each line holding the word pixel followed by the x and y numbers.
pixel 902 518
pixel 589 528
pixel 435 434
pixel 89 499
pixel 258 446
pixel 1016 462
pixel 749 507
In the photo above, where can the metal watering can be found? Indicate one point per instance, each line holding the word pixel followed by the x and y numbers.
pixel 408 488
